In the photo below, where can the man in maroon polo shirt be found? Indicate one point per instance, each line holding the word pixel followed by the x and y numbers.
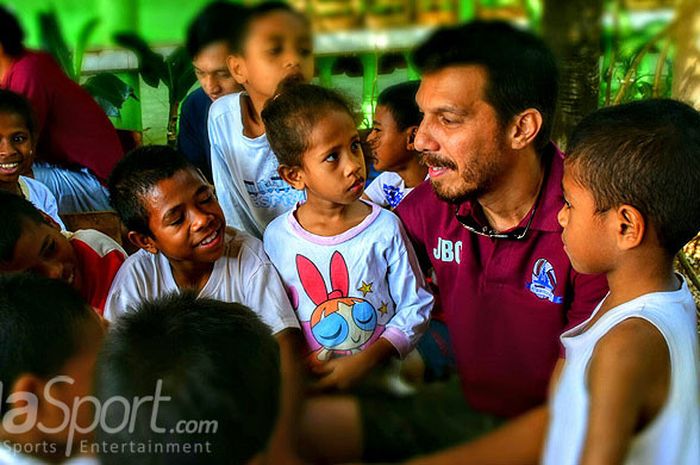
pixel 487 221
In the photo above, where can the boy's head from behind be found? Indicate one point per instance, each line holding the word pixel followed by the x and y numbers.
pixel 396 119
pixel 207 42
pixel 275 42
pixel 167 205
pixel 641 162
pixel 31 241
pixel 215 361
pixel 47 333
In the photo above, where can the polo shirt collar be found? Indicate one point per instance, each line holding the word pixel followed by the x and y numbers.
pixel 550 199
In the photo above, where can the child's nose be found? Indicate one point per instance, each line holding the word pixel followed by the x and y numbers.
pixel 561 216
pixel 200 219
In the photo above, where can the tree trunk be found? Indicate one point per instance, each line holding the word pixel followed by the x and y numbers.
pixel 573 28
pixel 686 66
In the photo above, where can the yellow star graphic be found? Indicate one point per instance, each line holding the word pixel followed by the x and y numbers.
pixel 383 308
pixel 366 288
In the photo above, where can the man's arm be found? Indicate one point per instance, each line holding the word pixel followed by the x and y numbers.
pixel 518 442
pixel 628 380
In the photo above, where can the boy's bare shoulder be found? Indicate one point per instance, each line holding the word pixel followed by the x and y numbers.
pixel 632 338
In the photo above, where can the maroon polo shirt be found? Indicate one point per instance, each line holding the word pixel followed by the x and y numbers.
pixel 505 301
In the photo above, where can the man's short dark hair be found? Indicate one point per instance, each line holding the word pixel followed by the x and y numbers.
pixel 400 99
pixel 521 70
pixel 645 154
pixel 11 33
pixel 42 325
pixel 239 36
pixel 217 22
pixel 135 175
pixel 216 361
pixel 14 211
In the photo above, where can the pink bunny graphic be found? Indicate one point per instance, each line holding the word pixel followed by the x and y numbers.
pixel 339 323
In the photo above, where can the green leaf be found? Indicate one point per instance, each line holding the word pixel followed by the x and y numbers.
pixel 151 64
pixel 110 92
pixel 183 77
pixel 83 38
pixel 52 41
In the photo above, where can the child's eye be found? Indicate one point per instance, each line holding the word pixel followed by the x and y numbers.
pixel 331 157
pixel 176 221
pixel 49 250
pixel 355 146
pixel 19 138
pixel 305 51
pixel 275 50
pixel 567 204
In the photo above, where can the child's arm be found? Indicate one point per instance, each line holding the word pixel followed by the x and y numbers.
pixel 518 442
pixel 628 381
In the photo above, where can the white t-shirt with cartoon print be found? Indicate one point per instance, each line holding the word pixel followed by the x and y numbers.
pixel 249 189
pixel 243 274
pixel 348 290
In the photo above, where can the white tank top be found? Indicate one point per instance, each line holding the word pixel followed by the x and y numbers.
pixel 673 437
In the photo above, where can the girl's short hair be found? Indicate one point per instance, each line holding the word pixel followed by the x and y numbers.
pixel 11 102
pixel 292 113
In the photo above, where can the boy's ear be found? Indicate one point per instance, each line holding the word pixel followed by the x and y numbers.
pixel 524 128
pixel 292 175
pixel 50 221
pixel 143 241
pixel 631 227
pixel 237 68
pixel 411 137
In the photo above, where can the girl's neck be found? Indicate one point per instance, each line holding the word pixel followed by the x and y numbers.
pixel 324 218
pixel 251 107
pixel 12 187
pixel 413 173
pixel 5 64
pixel 191 275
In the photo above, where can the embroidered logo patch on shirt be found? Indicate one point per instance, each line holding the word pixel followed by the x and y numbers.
pixel 544 281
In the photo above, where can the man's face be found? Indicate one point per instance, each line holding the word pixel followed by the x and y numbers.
pixel 462 142
pixel 212 72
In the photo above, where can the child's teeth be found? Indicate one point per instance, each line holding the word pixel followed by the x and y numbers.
pixel 209 239
pixel 8 166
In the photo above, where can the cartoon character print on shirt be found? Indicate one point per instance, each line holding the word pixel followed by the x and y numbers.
pixel 544 281
pixel 340 324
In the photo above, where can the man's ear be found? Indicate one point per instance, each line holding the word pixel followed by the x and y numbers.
pixel 524 128
pixel 410 137
pixel 143 241
pixel 630 226
pixel 292 175
pixel 237 68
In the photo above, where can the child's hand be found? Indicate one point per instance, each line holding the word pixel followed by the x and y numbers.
pixel 342 373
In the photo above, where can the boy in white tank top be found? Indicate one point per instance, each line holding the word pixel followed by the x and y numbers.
pixel 627 391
